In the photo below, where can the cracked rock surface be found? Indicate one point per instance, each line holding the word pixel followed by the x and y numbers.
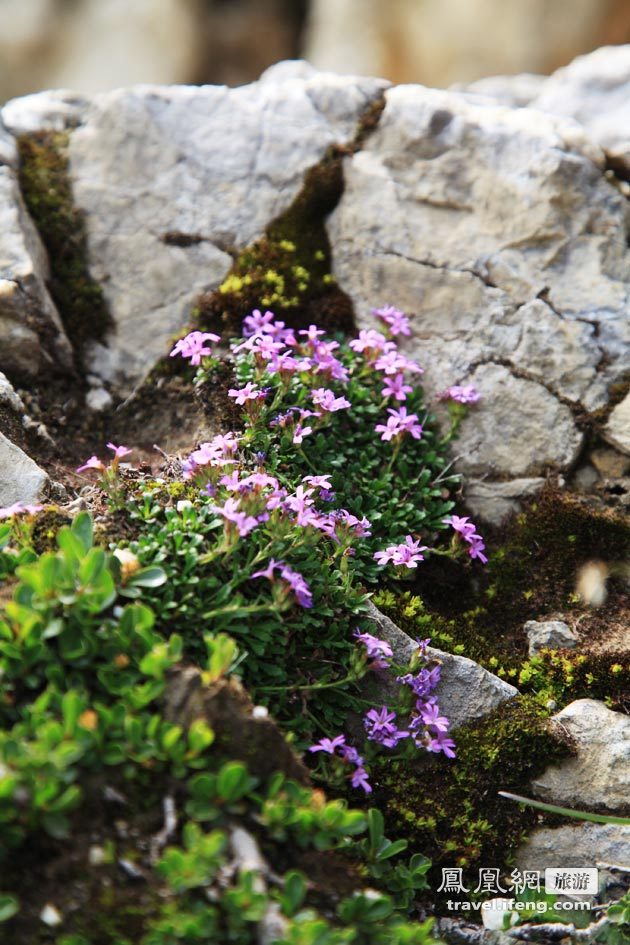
pixel 212 163
pixel 498 230
pixel 30 328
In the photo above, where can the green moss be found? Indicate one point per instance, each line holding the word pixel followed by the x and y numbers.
pixel 288 269
pixel 451 811
pixel 45 527
pixel 47 192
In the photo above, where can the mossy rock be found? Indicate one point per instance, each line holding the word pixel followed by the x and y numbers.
pixel 47 190
pixel 289 269
pixel 450 810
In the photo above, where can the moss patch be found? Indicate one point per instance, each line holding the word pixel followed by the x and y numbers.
pixel 288 269
pixel 450 810
pixel 47 191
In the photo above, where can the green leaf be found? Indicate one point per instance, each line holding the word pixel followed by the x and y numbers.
pixel 83 528
pixel 148 577
pixel 9 906
pixel 567 811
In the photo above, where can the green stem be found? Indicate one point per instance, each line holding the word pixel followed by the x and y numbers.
pixel 311 687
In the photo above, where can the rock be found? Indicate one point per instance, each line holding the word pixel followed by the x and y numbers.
pixel 599 775
pixel 552 634
pixel 8 148
pixel 212 163
pixel 21 479
pixel 575 845
pixel 54 109
pixel 30 328
pixel 514 91
pixel 595 90
pixel 494 501
pixel 609 463
pixel 617 430
pixel 465 692
pixel 530 305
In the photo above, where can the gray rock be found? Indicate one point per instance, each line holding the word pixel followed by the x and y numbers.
pixel 465 692
pixel 8 148
pixel 21 479
pixel 599 776
pixel 494 501
pixel 617 430
pixel 575 845
pixel 54 109
pixel 497 229
pixel 214 163
pixel 31 332
pixel 609 463
pixel 595 90
pixel 553 634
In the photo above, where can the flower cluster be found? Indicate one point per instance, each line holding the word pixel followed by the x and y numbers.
pixel 398 424
pixel 292 579
pixel 337 747
pixel 464 527
pixel 109 478
pixel 194 347
pixel 377 651
pixel 406 554
pixel 461 395
pixel 427 727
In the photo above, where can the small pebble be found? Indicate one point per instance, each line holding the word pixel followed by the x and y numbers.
pixel 96 856
pixel 260 712
pixel 51 916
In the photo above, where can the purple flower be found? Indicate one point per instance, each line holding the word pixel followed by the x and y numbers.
pixel 257 322
pixel 430 715
pixel 318 482
pixel 360 779
pixel 249 392
pixel 407 553
pixel 395 387
pixel 294 580
pixel 230 512
pixel 377 649
pixel 329 745
pixel 119 451
pixel 193 346
pixel 393 362
pixel 18 508
pixel 462 395
pixel 442 742
pixel 423 682
pixel 92 463
pixel 351 755
pixel 327 401
pixel 312 333
pixel 300 432
pixel 396 321
pixel 463 526
pixel 371 341
pixel 380 725
pixel 398 423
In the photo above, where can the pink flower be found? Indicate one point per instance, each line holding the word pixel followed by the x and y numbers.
pixel 430 715
pixel 393 362
pixel 300 432
pixel 442 742
pixel 463 526
pixel 396 321
pixel 119 451
pixel 329 745
pixel 249 392
pixel 230 512
pixel 395 387
pixel 399 422
pixel 92 463
pixel 193 346
pixel 312 333
pixel 370 340
pixel 324 398
pixel 462 395
pixel 18 508
pixel 407 553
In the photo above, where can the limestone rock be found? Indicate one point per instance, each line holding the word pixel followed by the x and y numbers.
pixel 31 332
pixel 465 692
pixel 575 845
pixel 21 479
pixel 599 776
pixel 595 90
pixel 617 430
pixel 494 501
pixel 497 229
pixel 553 634
pixel 212 163
pixel 54 109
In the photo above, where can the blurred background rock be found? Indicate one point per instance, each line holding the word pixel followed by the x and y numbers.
pixel 94 45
